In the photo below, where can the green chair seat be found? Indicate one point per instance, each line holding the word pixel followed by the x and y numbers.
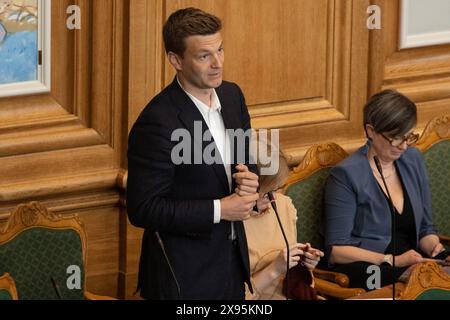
pixel 307 197
pixel 434 294
pixel 437 161
pixel 5 295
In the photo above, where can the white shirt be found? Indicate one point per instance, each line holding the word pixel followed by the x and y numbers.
pixel 213 118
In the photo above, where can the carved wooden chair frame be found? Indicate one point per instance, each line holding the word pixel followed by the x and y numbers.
pixel 7 283
pixel 35 214
pixel 438 129
pixel 328 283
pixel 425 276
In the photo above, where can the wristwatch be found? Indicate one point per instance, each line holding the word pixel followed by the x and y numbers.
pixel 388 258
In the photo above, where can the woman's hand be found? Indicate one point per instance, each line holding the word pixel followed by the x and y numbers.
pixel 263 204
pixel 299 252
pixel 295 253
pixel 311 256
pixel 408 259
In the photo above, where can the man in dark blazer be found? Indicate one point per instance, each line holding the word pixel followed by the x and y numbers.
pixel 194 244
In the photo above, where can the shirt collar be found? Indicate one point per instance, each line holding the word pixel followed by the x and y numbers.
pixel 203 108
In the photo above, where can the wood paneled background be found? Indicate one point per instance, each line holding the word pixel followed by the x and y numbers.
pixel 305 66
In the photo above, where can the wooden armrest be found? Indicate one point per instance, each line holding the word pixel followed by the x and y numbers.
pixel 91 296
pixel 445 239
pixel 329 289
pixel 339 278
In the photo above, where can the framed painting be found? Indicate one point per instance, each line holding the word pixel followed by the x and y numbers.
pixel 25 29
pixel 424 23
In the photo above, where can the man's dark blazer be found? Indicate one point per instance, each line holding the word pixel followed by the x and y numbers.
pixel 177 200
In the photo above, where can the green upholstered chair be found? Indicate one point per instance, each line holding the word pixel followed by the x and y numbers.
pixel 434 294
pixel 45 253
pixel 8 289
pixel 427 282
pixel 305 187
pixel 435 145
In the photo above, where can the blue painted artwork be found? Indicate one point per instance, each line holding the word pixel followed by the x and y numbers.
pixel 18 41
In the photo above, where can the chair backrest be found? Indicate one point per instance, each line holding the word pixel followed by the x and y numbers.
pixel 8 289
pixel 435 145
pixel 305 187
pixel 427 282
pixel 44 253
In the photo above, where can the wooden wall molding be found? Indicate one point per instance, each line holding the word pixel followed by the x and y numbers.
pixel 66 148
pixel 401 68
pixel 52 187
pixel 286 115
pixel 146 54
pixel 423 77
pixel 335 104
pixel 49 139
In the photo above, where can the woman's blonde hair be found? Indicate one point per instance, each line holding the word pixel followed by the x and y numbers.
pixel 275 181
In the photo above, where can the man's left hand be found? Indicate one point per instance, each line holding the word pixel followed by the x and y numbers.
pixel 247 181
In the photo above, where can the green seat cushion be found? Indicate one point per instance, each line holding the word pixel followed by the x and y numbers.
pixel 437 161
pixel 307 197
pixel 37 255
pixel 5 295
pixel 434 294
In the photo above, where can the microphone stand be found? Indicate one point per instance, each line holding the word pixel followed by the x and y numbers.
pixel 161 244
pixel 56 288
pixel 394 224
pixel 274 206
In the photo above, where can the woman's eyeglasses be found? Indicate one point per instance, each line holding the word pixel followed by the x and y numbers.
pixel 410 139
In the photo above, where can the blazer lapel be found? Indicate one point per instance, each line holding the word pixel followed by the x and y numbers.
pixel 189 115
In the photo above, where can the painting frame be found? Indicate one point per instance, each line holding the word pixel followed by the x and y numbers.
pixel 408 41
pixel 43 82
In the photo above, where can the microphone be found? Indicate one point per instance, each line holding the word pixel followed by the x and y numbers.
pixel 161 244
pixel 274 206
pixel 394 211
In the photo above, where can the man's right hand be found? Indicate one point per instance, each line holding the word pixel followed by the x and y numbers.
pixel 237 208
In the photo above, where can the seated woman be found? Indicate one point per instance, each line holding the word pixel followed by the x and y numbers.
pixel 357 207
pixel 267 249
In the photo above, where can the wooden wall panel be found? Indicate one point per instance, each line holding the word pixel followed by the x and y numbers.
pixel 66 148
pixel 146 55
pixel 288 39
pixel 102 228
pixel 423 74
